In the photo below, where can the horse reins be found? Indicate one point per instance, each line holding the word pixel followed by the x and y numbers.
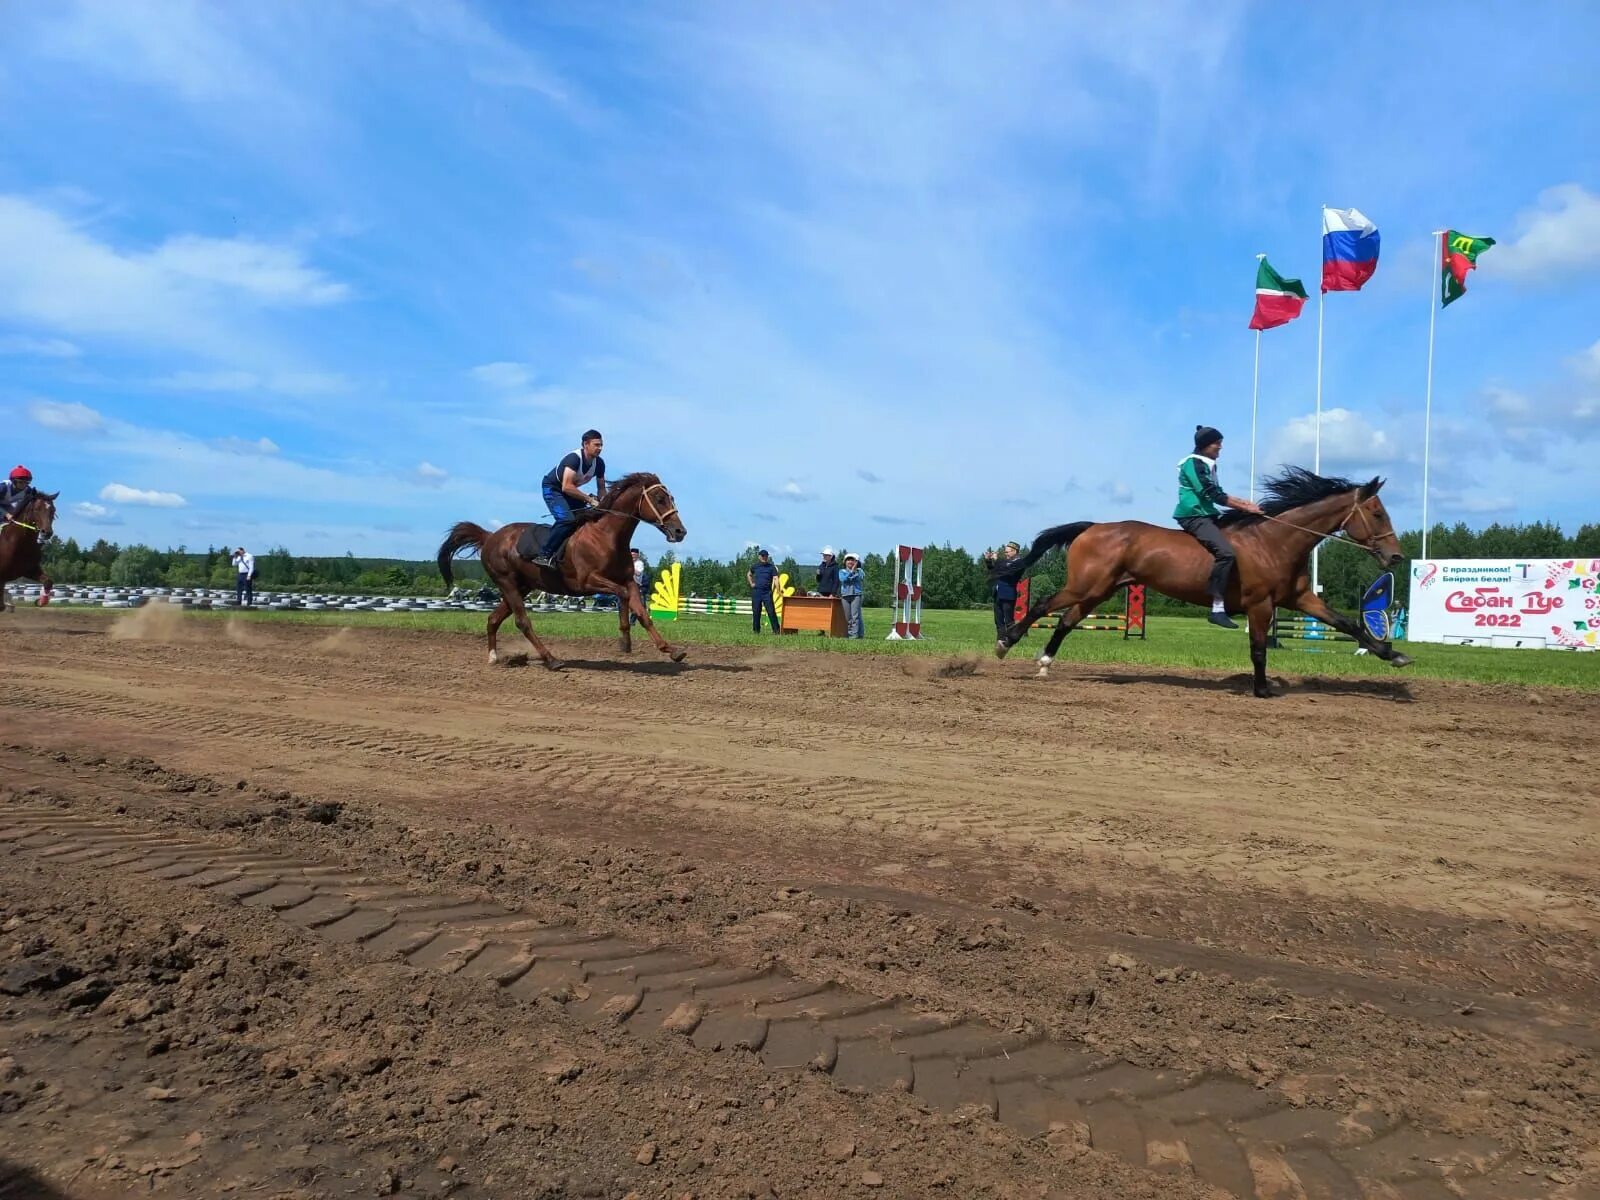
pixel 657 521
pixel 1335 536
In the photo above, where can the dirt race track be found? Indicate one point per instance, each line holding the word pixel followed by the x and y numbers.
pixel 292 913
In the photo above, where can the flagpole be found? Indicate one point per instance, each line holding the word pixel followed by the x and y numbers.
pixel 1427 409
pixel 1322 300
pixel 1255 395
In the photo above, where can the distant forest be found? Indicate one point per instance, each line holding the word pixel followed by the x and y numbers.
pixel 952 577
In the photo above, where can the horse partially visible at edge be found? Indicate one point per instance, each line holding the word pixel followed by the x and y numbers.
pixel 594 559
pixel 1301 510
pixel 21 546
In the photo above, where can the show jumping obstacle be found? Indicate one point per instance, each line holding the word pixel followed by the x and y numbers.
pixel 1129 622
pixel 907 595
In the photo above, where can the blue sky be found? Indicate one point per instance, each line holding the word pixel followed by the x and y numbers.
pixel 337 275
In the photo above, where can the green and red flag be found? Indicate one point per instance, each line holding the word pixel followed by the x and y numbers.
pixel 1460 256
pixel 1278 300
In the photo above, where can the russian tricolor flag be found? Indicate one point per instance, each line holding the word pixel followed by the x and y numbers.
pixel 1349 249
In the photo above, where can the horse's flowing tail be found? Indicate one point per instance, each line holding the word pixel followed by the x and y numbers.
pixel 462 535
pixel 1059 535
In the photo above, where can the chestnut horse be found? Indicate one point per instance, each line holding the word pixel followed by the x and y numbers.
pixel 1273 551
pixel 21 540
pixel 594 559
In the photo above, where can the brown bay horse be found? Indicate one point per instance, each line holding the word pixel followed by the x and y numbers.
pixel 594 559
pixel 21 546
pixel 1272 571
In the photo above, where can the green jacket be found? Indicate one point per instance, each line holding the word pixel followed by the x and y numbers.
pixel 1198 490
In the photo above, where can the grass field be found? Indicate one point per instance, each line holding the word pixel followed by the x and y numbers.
pixel 1173 642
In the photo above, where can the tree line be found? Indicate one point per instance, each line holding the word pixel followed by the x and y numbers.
pixel 952 577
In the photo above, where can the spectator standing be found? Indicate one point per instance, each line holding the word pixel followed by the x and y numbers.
pixel 828 574
pixel 1005 587
pixel 641 580
pixel 762 577
pixel 244 580
pixel 851 580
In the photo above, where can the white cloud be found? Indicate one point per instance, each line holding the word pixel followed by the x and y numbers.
pixel 1559 237
pixel 189 291
pixel 34 347
pixel 429 475
pixel 95 514
pixel 239 445
pixel 65 417
pixel 791 491
pixel 503 376
pixel 1588 363
pixel 1117 491
pixel 210 381
pixel 274 274
pixel 291 383
pixel 119 493
pixel 1348 440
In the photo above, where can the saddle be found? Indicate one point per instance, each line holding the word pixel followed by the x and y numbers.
pixel 531 540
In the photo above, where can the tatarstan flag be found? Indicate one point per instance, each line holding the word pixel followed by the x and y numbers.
pixel 1278 300
pixel 1460 256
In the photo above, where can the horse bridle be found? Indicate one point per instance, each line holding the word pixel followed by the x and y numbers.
pixel 1347 539
pixel 658 519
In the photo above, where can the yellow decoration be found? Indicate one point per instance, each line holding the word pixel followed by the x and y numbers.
pixel 780 589
pixel 667 594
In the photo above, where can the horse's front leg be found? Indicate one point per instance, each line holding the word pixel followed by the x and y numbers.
pixel 634 602
pixel 1314 605
pixel 47 586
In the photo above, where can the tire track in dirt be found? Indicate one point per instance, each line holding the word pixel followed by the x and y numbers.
pixel 1028 814
pixel 1225 1131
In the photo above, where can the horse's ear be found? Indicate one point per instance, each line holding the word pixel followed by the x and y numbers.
pixel 51 496
pixel 1370 488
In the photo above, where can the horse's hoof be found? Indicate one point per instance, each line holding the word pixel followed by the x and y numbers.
pixel 553 664
pixel 1263 693
pixel 1001 649
pixel 1400 660
pixel 625 647
pixel 494 657
pixel 679 655
pixel 1044 671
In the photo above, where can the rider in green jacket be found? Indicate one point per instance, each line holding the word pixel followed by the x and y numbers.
pixel 1199 494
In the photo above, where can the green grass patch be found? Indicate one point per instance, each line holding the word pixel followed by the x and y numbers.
pixel 1173 642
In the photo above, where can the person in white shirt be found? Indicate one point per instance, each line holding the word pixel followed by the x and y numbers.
pixel 641 580
pixel 244 564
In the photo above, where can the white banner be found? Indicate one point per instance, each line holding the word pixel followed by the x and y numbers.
pixel 1516 603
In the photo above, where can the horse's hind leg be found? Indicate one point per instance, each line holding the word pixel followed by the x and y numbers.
pixel 520 613
pixel 496 618
pixel 1068 620
pixel 1018 630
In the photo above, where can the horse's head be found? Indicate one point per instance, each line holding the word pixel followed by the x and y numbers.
pixel 1369 524
pixel 644 496
pixel 40 512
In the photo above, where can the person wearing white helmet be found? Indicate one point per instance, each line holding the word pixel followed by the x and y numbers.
pixel 828 574
pixel 852 582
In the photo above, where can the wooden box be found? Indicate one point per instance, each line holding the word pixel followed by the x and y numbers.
pixel 822 613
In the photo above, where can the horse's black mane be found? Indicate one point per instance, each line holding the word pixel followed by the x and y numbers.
pixel 1291 488
pixel 638 479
